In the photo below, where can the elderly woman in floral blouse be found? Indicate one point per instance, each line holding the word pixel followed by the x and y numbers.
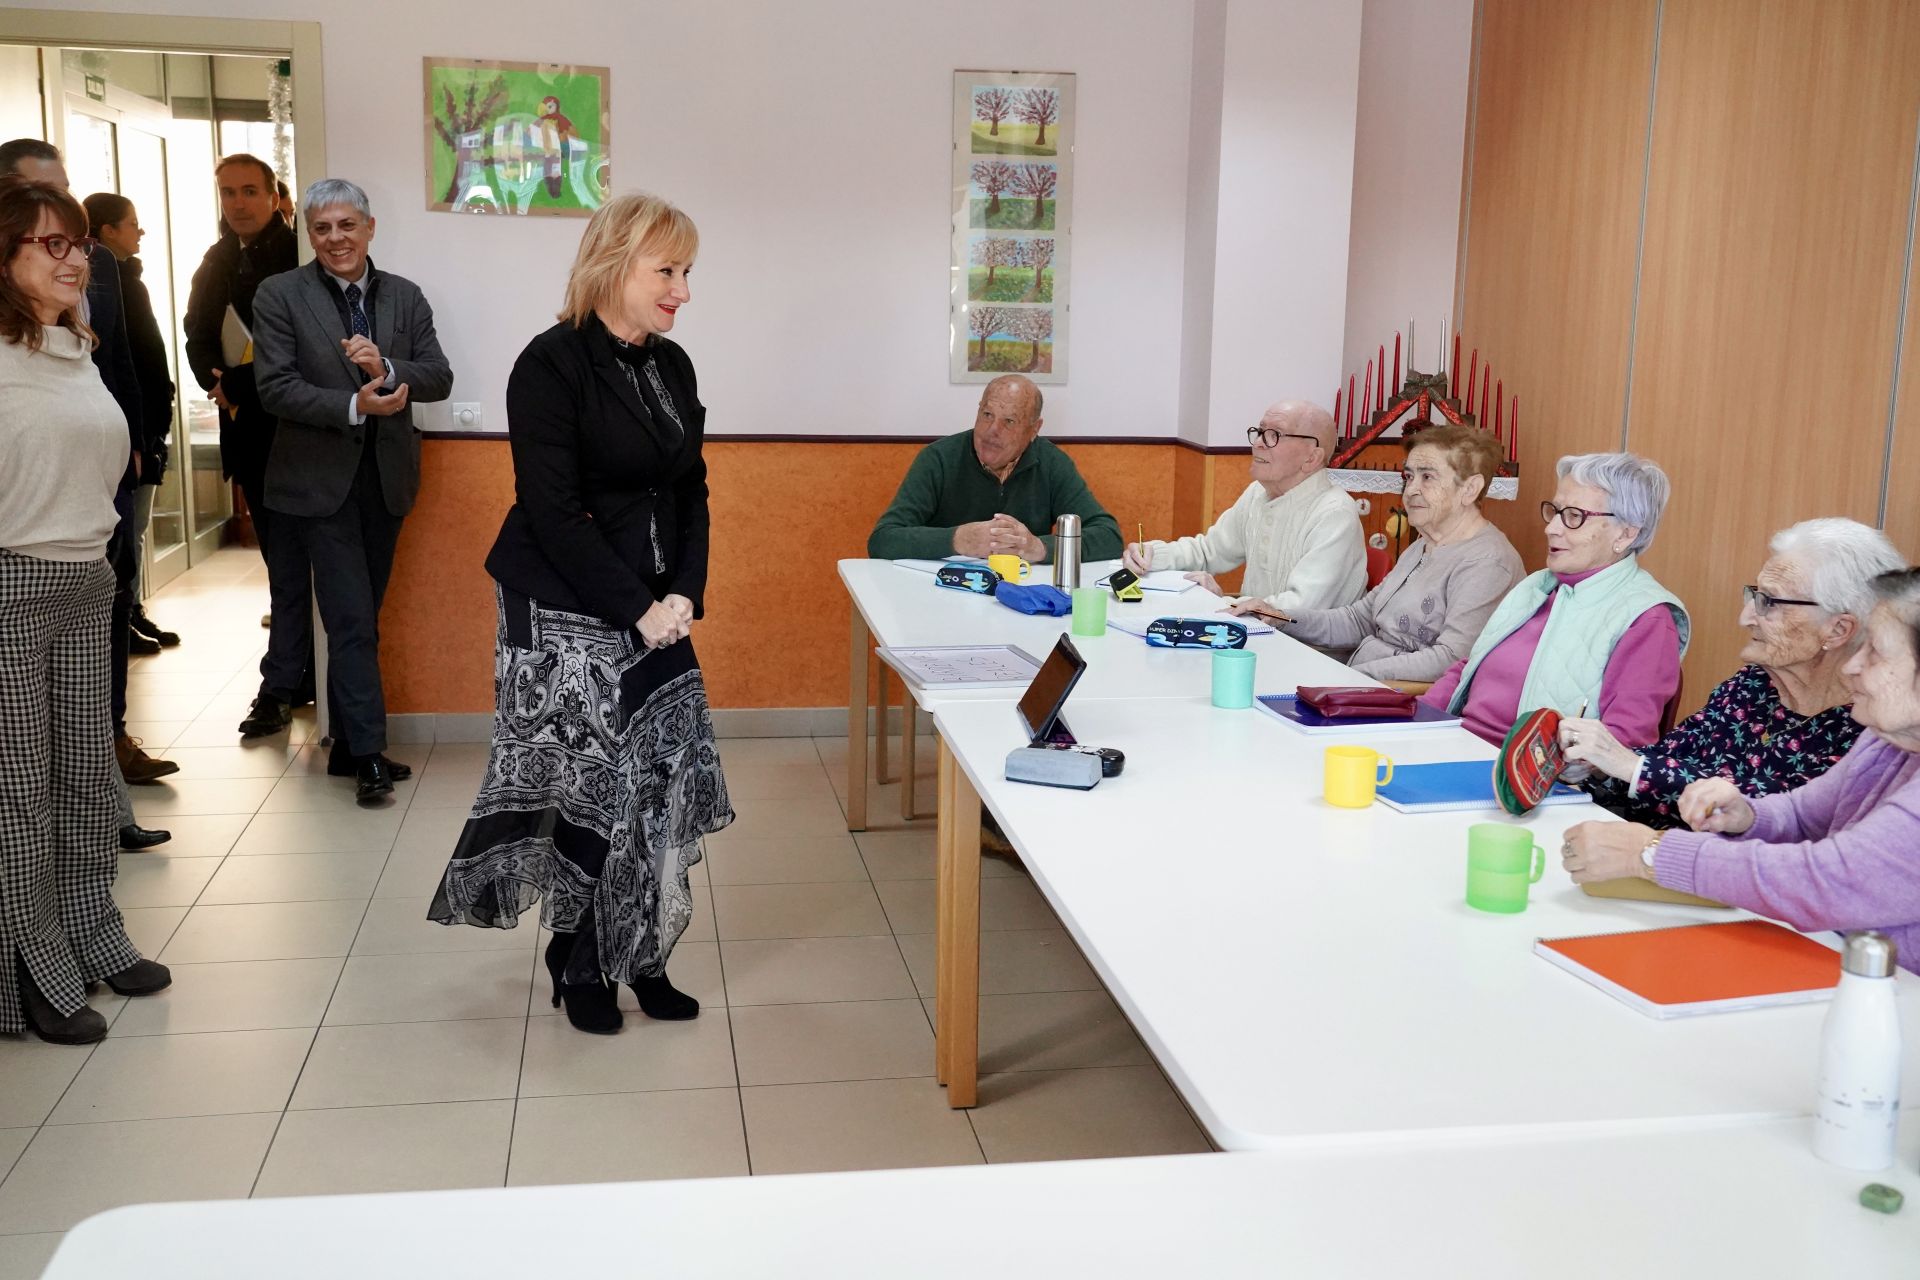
pixel 1783 719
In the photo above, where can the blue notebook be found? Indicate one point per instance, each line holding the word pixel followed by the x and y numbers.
pixel 1456 785
pixel 1287 707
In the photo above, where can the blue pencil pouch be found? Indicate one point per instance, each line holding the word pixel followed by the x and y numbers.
pixel 1039 598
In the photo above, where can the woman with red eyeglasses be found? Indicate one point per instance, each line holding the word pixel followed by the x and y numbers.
pixel 63 447
pixel 1591 632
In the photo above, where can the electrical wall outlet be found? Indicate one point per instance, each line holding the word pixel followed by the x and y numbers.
pixel 464 415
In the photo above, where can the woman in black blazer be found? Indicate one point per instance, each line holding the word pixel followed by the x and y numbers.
pixel 603 774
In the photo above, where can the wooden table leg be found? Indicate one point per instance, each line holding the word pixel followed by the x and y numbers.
pixel 957 845
pixel 909 756
pixel 860 647
pixel 882 767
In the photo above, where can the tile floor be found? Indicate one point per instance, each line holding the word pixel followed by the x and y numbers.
pixel 322 1036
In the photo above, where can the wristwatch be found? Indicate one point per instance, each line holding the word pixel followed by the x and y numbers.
pixel 1646 853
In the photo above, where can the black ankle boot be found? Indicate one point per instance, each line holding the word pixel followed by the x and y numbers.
pixel 590 1005
pixel 659 1000
pixel 83 1026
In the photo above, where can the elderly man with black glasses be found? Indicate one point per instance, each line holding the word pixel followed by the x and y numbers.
pixel 1592 631
pixel 1297 534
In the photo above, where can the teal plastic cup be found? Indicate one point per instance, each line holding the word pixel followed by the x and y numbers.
pixel 1089 611
pixel 1233 678
pixel 1502 863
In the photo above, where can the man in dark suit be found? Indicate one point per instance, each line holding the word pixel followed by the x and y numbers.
pixel 343 349
pixel 254 245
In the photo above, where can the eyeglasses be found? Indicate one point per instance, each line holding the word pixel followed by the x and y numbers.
pixel 1271 438
pixel 58 247
pixel 1763 603
pixel 1572 517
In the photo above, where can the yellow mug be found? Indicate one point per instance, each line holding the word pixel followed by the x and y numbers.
pixel 1009 567
pixel 1353 773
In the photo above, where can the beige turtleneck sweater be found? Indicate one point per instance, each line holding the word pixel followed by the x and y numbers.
pixel 63 447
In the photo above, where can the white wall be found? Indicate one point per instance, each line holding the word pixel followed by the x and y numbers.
pixel 1227 152
pixel 1415 65
pixel 1290 80
pixel 1208 87
pixel 811 142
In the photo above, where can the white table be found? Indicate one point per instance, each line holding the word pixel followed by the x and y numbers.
pixel 897 607
pixel 1304 970
pixel 1748 1200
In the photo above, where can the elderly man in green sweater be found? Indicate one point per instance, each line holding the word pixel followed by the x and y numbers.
pixel 997 488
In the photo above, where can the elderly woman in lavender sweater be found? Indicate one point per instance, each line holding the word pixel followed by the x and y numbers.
pixel 1842 852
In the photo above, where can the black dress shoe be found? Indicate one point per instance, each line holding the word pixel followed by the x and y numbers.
pixel 591 1006
pixel 83 1026
pixel 661 1001
pixel 376 780
pixel 140 645
pixel 134 836
pixel 342 764
pixel 141 978
pixel 145 626
pixel 268 716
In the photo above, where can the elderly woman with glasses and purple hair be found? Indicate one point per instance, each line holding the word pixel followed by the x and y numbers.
pixel 1591 631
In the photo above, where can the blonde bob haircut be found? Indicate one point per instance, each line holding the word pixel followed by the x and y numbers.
pixel 624 229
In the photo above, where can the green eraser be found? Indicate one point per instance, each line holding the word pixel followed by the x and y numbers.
pixel 1881 1198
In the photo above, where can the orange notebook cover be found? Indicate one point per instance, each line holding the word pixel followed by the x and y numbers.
pixel 1701 968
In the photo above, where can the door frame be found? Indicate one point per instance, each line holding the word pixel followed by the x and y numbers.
pixel 160 33
pixel 125 111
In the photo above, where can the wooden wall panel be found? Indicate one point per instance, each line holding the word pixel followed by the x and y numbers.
pixel 1903 493
pixel 1552 207
pixel 1777 212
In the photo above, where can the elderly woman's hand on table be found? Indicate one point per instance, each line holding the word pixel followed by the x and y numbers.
pixel 1590 742
pixel 1593 851
pixel 1715 805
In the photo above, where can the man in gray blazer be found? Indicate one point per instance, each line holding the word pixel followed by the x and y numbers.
pixel 342 349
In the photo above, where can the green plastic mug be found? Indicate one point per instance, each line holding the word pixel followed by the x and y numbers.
pixel 1502 861
pixel 1233 678
pixel 1089 611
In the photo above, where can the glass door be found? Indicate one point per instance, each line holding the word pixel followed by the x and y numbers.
pixel 143 180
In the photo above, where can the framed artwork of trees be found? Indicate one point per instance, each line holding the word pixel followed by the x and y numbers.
pixel 1012 223
pixel 516 137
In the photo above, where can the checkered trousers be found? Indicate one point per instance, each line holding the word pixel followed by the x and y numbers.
pixel 59 845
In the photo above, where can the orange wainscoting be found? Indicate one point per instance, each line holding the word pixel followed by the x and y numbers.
pixel 775 633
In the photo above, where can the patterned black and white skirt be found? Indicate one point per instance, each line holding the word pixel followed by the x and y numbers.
pixel 602 779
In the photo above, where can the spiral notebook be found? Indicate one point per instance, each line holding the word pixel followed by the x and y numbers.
pixel 1456 786
pixel 1701 968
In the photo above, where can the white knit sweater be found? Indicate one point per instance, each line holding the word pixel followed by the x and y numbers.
pixel 1303 549
pixel 63 447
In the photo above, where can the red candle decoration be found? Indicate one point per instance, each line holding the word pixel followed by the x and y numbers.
pixel 1336 413
pixel 1349 404
pixel 1396 364
pixel 1486 389
pixel 1499 405
pixel 1453 386
pixel 1473 371
pixel 1366 397
pixel 1380 400
pixel 1513 433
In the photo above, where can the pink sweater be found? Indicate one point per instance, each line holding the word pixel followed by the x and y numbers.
pixel 1842 852
pixel 1640 678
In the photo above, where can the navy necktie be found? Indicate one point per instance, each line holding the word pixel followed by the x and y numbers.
pixel 357 318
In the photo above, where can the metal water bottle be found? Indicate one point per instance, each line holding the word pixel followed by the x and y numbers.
pixel 1066 552
pixel 1859 1102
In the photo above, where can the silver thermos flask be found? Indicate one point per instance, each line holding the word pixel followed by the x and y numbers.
pixel 1066 552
